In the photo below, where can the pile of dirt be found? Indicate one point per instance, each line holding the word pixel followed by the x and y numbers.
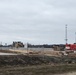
pixel 33 60
pixel 22 60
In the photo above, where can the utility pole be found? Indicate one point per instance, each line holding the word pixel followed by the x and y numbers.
pixel 66 34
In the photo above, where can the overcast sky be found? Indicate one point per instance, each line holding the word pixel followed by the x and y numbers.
pixel 37 21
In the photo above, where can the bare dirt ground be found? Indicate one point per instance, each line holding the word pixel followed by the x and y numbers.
pixel 36 63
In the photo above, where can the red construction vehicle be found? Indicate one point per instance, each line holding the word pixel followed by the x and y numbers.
pixel 70 46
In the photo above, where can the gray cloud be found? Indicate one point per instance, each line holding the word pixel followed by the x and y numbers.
pixel 37 21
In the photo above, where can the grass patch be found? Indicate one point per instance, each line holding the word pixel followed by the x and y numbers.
pixel 37 70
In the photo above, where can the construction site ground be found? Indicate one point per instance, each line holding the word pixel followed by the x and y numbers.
pixel 33 52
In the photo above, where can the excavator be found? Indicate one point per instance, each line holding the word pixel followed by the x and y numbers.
pixel 18 44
